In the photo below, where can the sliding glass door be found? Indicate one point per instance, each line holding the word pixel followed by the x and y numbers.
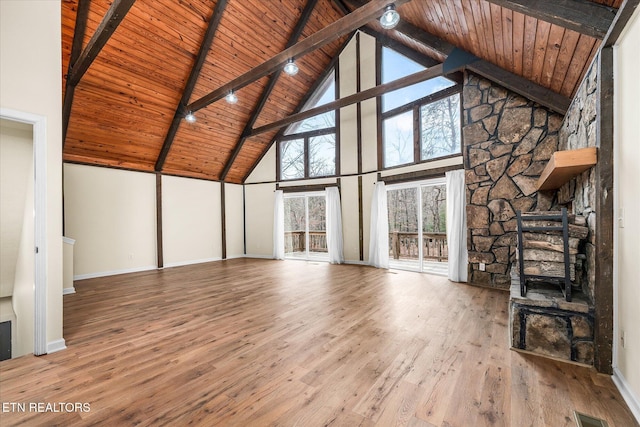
pixel 417 226
pixel 305 232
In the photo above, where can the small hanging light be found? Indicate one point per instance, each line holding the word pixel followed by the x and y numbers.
pixel 390 17
pixel 231 98
pixel 291 68
pixel 190 117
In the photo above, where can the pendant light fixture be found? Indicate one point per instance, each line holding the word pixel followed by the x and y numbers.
pixel 390 17
pixel 291 68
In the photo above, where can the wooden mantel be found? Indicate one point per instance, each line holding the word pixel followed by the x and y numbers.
pixel 564 165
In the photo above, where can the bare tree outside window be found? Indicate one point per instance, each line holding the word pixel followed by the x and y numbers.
pixel 292 159
pixel 434 209
pixel 398 137
pixel 440 128
pixel 322 155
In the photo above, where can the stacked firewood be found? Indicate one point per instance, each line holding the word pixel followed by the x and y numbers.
pixel 543 251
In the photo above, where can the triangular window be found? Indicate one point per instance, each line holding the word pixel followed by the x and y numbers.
pixel 325 93
pixel 396 66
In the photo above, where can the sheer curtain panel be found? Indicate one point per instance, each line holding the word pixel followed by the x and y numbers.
pixel 379 230
pixel 457 226
pixel 278 225
pixel 334 226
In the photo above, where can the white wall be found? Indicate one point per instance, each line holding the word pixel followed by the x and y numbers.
pixel 259 201
pixel 627 300
pixel 191 221
pixel 16 161
pixel 30 82
pixel 111 214
pixel 234 219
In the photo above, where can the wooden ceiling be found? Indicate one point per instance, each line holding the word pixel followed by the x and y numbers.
pixel 142 62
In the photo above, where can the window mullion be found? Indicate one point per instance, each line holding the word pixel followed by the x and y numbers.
pixel 307 172
pixel 416 134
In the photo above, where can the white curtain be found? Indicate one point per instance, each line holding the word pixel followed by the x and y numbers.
pixel 379 230
pixel 334 226
pixel 457 226
pixel 278 226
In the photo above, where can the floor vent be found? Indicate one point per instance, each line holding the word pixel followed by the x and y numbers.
pixel 583 420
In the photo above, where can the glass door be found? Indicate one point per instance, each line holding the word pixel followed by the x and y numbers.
pixel 417 226
pixel 305 226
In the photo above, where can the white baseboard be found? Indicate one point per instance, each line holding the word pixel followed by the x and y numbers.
pixel 190 262
pixel 358 262
pixel 627 394
pixel 57 345
pixel 67 291
pixel 113 273
pixel 259 256
pixel 236 256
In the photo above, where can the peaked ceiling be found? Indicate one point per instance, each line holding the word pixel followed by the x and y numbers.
pixel 138 64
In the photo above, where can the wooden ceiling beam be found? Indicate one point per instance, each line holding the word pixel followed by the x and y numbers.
pixel 518 84
pixel 345 25
pixel 114 16
pixel 82 15
pixel 583 16
pixel 420 76
pixel 273 79
pixel 181 109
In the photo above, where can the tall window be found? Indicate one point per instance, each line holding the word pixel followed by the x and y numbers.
pixel 420 122
pixel 308 148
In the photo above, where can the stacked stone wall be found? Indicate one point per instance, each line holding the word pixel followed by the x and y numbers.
pixel 508 141
pixel 579 194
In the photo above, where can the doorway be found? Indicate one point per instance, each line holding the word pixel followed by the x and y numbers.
pixel 418 226
pixel 33 296
pixel 305 226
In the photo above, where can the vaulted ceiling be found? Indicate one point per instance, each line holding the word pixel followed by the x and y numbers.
pixel 138 66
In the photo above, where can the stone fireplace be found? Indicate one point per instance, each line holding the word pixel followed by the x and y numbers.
pixel 508 141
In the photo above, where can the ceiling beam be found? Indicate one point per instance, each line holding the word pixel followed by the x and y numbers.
pixel 518 84
pixel 297 32
pixel 379 90
pixel 181 109
pixel 345 25
pixel 583 16
pixel 82 15
pixel 114 16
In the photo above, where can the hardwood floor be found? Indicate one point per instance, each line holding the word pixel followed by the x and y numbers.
pixel 258 342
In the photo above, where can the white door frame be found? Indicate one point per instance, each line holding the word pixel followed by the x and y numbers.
pixel 39 124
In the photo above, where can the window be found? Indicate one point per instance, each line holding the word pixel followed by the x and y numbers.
pixel 420 122
pixel 308 148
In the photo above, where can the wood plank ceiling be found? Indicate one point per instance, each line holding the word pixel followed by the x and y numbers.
pixel 130 102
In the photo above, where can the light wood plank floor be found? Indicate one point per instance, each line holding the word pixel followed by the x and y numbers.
pixel 259 342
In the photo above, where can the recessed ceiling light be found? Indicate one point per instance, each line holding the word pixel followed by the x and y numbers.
pixel 231 98
pixel 291 68
pixel 390 17
pixel 190 117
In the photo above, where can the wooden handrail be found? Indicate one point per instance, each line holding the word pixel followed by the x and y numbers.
pixel 435 245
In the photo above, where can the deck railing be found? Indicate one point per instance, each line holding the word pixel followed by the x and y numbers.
pixel 294 241
pixel 402 245
pixel 405 245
